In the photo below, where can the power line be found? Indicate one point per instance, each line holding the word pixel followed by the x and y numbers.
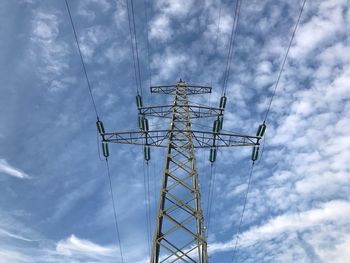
pixel 230 50
pixel 284 60
pixel 81 58
pixel 134 49
pixel 148 45
pixel 95 108
pixel 243 210
pixel 137 50
pixel 147 209
pixel 209 198
pixel 216 37
pixel 149 199
pixel 114 211
pixel 155 186
pixel 211 194
pixel 266 115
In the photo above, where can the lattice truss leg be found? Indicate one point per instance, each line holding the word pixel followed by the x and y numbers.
pixel 180 234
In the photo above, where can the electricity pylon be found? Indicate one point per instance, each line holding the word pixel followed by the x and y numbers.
pixel 180 231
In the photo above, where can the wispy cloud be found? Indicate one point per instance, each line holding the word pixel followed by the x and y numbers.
pixel 74 245
pixel 16 236
pixel 332 213
pixel 8 169
pixel 88 8
pixel 48 52
pixel 161 27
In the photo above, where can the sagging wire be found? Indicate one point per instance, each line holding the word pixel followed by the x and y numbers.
pixel 97 117
pixel 155 189
pixel 265 119
pixel 243 211
pixel 148 45
pixel 284 60
pixel 230 50
pixel 114 211
pixel 134 46
pixel 210 197
pixel 216 39
pixel 147 204
pixel 81 59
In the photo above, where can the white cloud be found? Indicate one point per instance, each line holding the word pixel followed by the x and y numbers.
pixel 175 8
pixel 306 159
pixel 115 53
pixel 334 213
pixel 91 39
pixel 71 249
pixel 340 253
pixel 45 27
pixel 8 169
pixel 13 256
pixel 49 54
pixel 71 197
pixel 160 28
pixel 16 236
pixel 120 16
pixel 318 161
pixel 324 25
pixel 167 65
pixel 74 245
pixel 87 8
pixel 161 25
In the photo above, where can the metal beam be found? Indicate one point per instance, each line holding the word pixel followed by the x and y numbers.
pixel 201 139
pixel 165 111
pixel 171 89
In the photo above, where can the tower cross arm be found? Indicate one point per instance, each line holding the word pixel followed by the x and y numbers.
pixel 205 139
pixel 195 111
pixel 156 138
pixel 171 89
pixel 201 139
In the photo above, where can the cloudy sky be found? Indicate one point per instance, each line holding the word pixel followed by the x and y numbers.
pixel 55 204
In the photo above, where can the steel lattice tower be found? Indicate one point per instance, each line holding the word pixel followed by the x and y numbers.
pixel 180 231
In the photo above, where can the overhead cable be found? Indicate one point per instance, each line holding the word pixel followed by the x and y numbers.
pixel 134 45
pixel 155 186
pixel 266 115
pixel 231 45
pixel 147 207
pixel 81 58
pixel 216 38
pixel 97 116
pixel 114 212
pixel 243 211
pixel 148 45
pixel 284 60
pixel 149 198
pixel 210 195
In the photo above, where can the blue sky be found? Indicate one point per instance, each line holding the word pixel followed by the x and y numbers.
pixel 55 204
